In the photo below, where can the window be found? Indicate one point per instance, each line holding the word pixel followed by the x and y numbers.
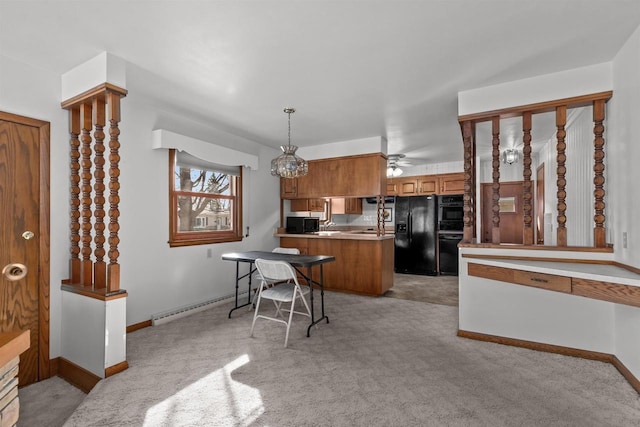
pixel 205 201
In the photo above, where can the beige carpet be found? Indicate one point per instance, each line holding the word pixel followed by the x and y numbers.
pixel 433 289
pixel 380 362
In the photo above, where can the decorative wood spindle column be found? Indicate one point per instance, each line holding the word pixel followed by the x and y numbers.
pixel 560 106
pixel 599 231
pixel 527 196
pixel 74 200
pixel 468 140
pixel 89 111
pixel 561 121
pixel 87 265
pixel 495 164
pixel 113 270
pixel 100 267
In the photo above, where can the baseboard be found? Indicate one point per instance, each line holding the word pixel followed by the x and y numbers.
pixel 136 326
pixel 115 369
pixel 77 376
pixel 550 348
pixel 635 383
pixel 54 366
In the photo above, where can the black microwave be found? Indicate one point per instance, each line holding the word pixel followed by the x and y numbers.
pixel 301 224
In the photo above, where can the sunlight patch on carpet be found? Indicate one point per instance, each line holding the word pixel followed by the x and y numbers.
pixel 214 397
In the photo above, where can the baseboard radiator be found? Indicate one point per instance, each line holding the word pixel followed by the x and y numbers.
pixel 177 313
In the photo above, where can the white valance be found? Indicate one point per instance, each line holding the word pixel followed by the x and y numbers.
pixel 204 150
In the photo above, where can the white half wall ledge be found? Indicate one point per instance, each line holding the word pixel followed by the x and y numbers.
pixel 564 84
pixel 104 68
pixel 164 139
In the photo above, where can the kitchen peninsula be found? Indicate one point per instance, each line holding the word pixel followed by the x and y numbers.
pixel 364 260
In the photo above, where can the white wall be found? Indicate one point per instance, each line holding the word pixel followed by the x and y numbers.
pixel 623 176
pixel 623 152
pixel 157 278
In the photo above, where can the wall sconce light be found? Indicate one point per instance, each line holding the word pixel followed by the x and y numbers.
pixel 510 156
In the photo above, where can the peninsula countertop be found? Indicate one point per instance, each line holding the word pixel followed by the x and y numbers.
pixel 339 234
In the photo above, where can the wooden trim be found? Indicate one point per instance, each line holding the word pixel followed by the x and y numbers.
pixel 100 294
pixel 556 349
pixel 608 249
pixel 77 375
pixel 96 92
pixel 54 367
pixel 44 287
pixel 546 281
pixel 12 344
pixel 137 326
pixel 635 383
pixel 525 259
pixel 627 267
pixel 116 369
pixel 538 107
pixel 606 291
pixel 532 345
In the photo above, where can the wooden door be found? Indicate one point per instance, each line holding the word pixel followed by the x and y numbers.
pixel 24 238
pixel 511 214
pixel 540 205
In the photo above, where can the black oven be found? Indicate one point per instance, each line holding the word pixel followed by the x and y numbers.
pixel 451 213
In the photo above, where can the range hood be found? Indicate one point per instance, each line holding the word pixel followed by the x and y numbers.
pixel 387 200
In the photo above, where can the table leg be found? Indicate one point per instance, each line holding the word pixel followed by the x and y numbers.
pixel 321 283
pixel 238 278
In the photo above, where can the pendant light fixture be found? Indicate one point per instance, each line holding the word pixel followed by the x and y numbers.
pixel 510 156
pixel 287 164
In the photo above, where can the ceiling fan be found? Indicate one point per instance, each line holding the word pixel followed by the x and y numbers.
pixel 394 161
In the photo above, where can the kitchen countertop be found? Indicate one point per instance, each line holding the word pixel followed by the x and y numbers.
pixel 339 234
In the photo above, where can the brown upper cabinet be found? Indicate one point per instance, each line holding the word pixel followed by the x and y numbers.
pixel 288 188
pixel 452 183
pixel 307 205
pixel 350 176
pixel 349 205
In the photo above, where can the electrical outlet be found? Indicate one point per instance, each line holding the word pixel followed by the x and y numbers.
pixel 209 254
pixel 624 240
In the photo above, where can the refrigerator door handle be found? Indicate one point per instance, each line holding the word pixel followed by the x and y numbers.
pixel 410 225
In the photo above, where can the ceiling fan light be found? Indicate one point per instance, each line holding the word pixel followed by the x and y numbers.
pixel 393 171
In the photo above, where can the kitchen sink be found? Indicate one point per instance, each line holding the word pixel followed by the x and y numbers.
pixel 326 233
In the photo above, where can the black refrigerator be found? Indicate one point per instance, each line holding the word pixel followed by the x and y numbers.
pixel 416 235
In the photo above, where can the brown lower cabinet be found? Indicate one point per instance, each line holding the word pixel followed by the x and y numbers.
pixel 362 267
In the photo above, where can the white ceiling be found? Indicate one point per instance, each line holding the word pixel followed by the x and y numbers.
pixel 352 69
